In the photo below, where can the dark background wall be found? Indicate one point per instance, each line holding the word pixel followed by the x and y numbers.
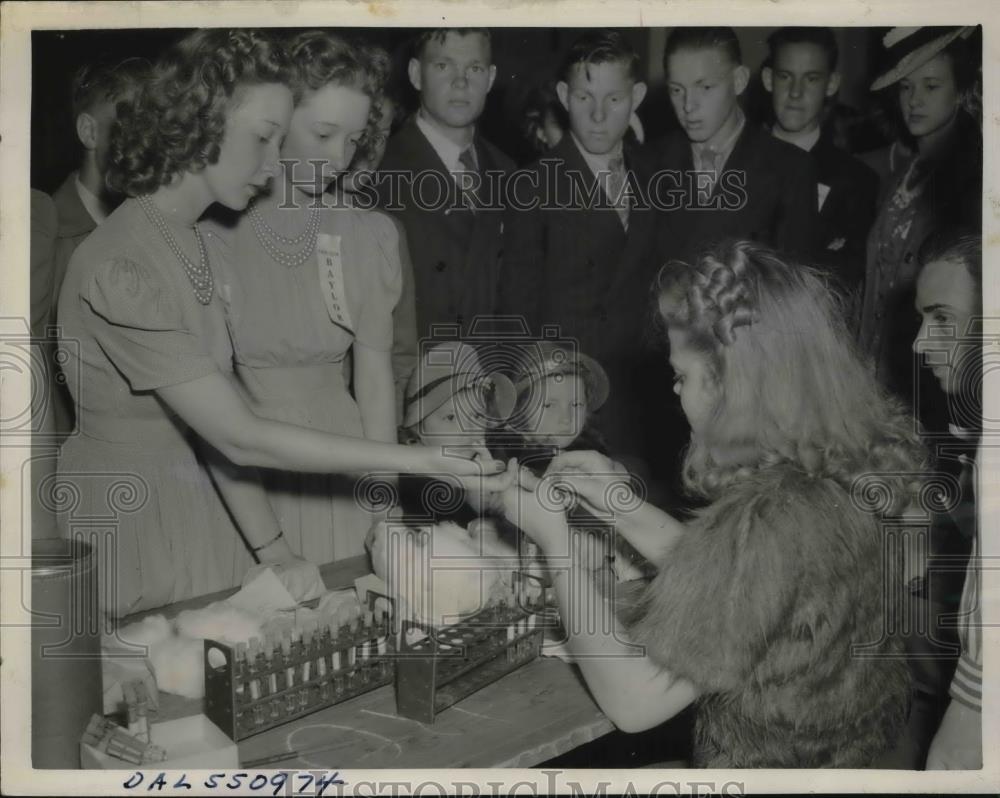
pixel 524 56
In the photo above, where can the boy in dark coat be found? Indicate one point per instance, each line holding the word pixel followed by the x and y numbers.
pixel 578 241
pixel 801 76
pixel 440 178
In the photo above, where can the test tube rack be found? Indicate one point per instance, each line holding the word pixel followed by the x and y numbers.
pixel 259 687
pixel 439 666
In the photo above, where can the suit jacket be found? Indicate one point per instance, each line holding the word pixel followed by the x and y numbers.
pixel 44 226
pixel 455 252
pixel 767 192
pixel 847 213
pixel 575 266
pixel 74 225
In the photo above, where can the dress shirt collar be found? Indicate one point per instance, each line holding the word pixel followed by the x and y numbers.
pixel 447 150
pixel 722 149
pixel 806 142
pixel 598 163
pixel 90 201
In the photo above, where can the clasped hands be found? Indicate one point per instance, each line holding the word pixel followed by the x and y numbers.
pixel 581 479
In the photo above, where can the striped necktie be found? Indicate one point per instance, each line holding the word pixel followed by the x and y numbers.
pixel 617 179
pixel 468 178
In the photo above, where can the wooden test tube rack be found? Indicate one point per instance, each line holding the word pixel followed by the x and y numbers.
pixel 260 687
pixel 448 663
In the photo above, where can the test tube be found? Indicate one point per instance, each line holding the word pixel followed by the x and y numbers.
pixel 286 650
pixel 272 677
pixel 383 649
pixel 132 711
pixel 142 706
pixel 254 667
pixel 306 652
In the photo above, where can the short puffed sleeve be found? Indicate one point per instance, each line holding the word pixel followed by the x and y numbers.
pixel 138 323
pixel 383 280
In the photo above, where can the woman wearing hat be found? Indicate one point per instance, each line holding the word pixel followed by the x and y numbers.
pixel 934 71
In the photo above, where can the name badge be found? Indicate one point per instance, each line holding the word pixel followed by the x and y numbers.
pixel 331 280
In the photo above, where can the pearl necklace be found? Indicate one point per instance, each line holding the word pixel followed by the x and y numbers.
pixel 199 275
pixel 270 239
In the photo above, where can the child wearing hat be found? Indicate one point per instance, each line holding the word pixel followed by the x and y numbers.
pixel 450 401
pixel 558 390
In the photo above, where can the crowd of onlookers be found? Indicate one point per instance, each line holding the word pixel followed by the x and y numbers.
pixel 235 331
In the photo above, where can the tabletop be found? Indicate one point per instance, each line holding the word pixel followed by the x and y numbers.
pixel 538 712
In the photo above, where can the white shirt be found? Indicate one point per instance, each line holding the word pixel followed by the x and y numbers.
pixel 598 163
pixel 90 201
pixel 806 142
pixel 446 149
pixel 712 158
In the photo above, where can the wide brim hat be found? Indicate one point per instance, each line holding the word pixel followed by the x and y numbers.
pixel 545 359
pixel 451 368
pixel 911 48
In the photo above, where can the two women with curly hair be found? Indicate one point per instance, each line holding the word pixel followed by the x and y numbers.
pixel 310 285
pixel 151 364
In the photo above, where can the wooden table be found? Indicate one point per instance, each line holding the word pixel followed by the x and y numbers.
pixel 536 713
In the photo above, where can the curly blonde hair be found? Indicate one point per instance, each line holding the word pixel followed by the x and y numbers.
pixel 793 387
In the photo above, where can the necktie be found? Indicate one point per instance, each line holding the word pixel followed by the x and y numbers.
pixel 617 179
pixel 710 164
pixel 468 178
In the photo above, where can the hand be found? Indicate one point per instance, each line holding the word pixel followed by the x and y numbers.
pixel 597 480
pixel 958 744
pixel 527 504
pixel 472 461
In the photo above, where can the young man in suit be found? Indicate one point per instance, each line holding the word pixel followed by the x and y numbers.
pixel 84 200
pixel 718 177
pixel 439 177
pixel 578 247
pixel 801 75
pixel 726 178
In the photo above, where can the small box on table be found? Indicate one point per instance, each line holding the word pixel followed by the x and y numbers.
pixel 190 743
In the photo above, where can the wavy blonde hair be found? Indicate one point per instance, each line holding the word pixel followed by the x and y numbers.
pixel 792 386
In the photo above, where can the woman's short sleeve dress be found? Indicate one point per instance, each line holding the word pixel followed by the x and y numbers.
pixel 292 328
pixel 132 482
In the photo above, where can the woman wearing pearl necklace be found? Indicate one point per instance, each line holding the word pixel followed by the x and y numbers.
pixel 310 285
pixel 150 357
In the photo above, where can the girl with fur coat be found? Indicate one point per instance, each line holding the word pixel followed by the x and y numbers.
pixel 772 607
